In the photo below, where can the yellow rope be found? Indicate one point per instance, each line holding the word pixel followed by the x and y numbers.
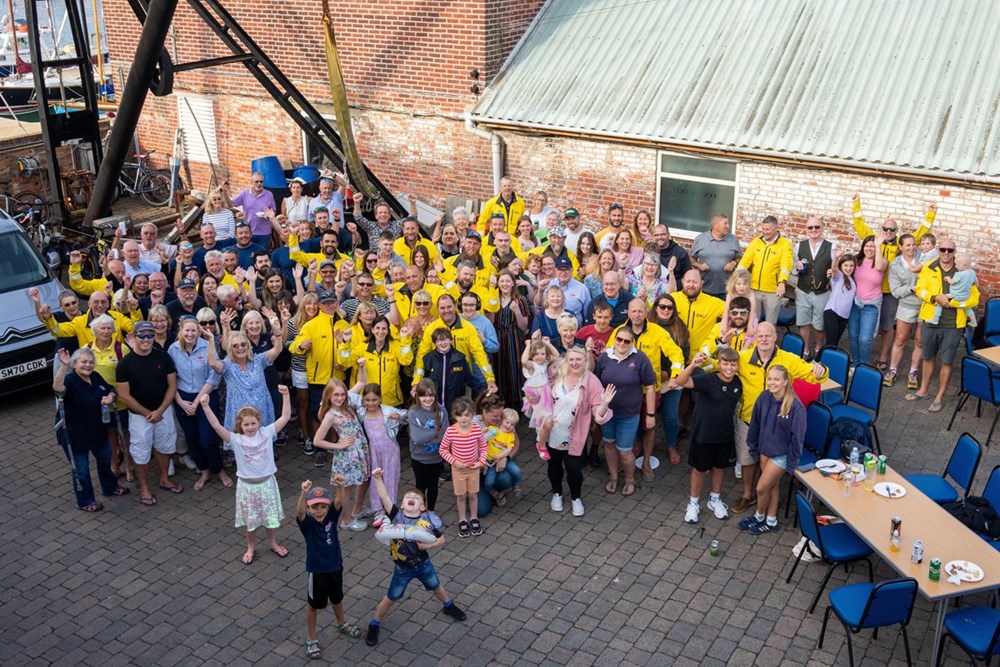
pixel 338 94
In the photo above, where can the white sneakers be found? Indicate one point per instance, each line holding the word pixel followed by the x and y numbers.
pixel 739 471
pixel 170 468
pixel 578 507
pixel 693 510
pixel 189 462
pixel 556 504
pixel 718 507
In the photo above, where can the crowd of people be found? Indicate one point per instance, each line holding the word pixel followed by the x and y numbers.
pixel 359 337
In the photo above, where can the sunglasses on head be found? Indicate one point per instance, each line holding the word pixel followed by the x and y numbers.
pixel 948 250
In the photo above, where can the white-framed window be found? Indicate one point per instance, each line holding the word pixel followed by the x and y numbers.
pixel 690 190
pixel 312 155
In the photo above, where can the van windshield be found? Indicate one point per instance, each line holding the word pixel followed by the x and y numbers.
pixel 20 267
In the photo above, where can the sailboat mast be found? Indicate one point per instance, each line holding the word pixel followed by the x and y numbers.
pixel 13 31
pixel 100 51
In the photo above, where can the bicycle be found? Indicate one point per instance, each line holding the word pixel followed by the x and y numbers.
pixel 29 214
pixel 153 185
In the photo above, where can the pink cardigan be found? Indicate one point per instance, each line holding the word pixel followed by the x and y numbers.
pixel 590 399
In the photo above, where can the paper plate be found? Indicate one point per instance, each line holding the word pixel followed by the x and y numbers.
pixel 965 570
pixel 654 462
pixel 831 466
pixel 883 489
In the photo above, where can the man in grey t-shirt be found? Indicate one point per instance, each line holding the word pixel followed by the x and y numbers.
pixel 715 253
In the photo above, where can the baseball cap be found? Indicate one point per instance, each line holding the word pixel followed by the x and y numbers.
pixel 242 223
pixel 327 262
pixel 497 214
pixel 557 231
pixel 571 213
pixel 297 179
pixel 185 283
pixel 564 263
pixel 327 295
pixel 143 326
pixel 471 234
pixel 318 495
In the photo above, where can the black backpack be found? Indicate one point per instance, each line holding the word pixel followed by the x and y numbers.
pixel 976 513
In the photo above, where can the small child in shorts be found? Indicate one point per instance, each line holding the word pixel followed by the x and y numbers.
pixel 317 515
pixel 463 446
pixel 960 288
pixel 500 450
pixel 410 558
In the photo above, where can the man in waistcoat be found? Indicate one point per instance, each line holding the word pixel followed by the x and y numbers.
pixel 813 259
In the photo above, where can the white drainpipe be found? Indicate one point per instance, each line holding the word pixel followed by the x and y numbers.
pixel 495 145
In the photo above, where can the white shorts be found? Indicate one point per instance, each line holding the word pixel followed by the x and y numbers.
pixel 146 437
pixel 299 379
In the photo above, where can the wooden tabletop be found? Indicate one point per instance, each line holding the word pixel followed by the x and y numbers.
pixel 989 353
pixel 828 385
pixel 944 537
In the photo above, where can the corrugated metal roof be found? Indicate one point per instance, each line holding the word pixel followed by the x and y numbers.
pixel 893 83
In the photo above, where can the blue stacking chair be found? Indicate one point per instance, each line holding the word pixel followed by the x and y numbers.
pixel 861 606
pixel 864 398
pixel 991 494
pixel 991 322
pixel 838 362
pixel 837 542
pixel 792 342
pixel 976 630
pixel 816 443
pixel 786 318
pixel 979 382
pixel 962 465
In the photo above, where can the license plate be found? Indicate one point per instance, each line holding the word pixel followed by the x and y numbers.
pixel 23 368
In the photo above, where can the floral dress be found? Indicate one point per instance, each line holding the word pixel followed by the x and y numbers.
pixel 247 388
pixel 353 462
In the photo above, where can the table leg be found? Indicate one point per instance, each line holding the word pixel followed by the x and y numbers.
pixel 938 630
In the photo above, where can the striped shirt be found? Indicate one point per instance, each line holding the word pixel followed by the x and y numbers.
pixel 465 448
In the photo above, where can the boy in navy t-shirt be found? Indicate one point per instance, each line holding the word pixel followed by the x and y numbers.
pixel 317 516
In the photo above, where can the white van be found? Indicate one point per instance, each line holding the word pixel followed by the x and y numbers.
pixel 27 348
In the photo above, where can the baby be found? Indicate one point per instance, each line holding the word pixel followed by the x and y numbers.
pixel 960 287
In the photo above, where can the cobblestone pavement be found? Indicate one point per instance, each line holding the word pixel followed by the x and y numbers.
pixel 626 584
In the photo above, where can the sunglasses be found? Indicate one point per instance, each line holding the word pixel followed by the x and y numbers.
pixel 619 339
pixel 816 227
pixel 70 304
pixel 421 303
pixel 888 229
pixel 371 260
pixel 948 250
pixel 144 336
pixel 256 181
pixel 206 323
pixel 664 306
pixel 240 346
pixel 739 311
pixel 366 284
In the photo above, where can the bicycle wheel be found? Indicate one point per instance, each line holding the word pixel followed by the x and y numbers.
pixel 27 200
pixel 155 188
pixel 91 267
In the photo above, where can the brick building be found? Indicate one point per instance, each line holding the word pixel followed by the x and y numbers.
pixel 683 108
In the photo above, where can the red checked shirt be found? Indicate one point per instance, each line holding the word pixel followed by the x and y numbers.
pixel 465 448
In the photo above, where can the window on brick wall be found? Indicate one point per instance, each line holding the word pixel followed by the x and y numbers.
pixel 690 190
pixel 312 155
pixel 196 119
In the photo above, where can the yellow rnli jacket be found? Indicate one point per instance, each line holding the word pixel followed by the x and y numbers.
pixel 753 375
pixel 768 263
pixel 699 315
pixel 890 248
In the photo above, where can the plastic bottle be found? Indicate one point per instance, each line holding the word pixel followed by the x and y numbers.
pixel 105 413
pixel 869 482
pixel 855 466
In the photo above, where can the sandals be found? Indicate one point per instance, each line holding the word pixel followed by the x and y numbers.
pixel 348 630
pixel 175 489
pixel 121 491
pixel 935 407
pixel 148 501
pixel 628 489
pixel 92 507
pixel 915 397
pixel 611 486
pixel 498 498
pixel 313 651
pixel 882 365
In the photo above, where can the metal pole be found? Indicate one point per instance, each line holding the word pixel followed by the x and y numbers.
pixel 147 54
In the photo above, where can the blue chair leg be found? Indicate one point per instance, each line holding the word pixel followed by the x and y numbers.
pixel 826 617
pixel 822 586
pixel 850 644
pixel 788 579
pixel 906 645
pixel 958 406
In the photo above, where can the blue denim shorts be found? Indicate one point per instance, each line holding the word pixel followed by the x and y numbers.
pixel 403 575
pixel 780 461
pixel 620 431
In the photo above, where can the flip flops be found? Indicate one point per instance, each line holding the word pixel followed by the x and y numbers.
pixel 148 501
pixel 91 507
pixel 175 489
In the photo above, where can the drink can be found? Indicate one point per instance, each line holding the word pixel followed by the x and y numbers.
pixel 123 228
pixel 713 548
pixel 881 464
pixel 935 572
pixel 917 554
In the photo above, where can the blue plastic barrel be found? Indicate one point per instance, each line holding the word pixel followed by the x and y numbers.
pixel 306 172
pixel 270 167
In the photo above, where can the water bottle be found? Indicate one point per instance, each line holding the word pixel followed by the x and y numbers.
pixel 855 466
pixel 105 413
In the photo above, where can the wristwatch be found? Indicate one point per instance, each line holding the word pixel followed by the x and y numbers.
pixel 650 414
